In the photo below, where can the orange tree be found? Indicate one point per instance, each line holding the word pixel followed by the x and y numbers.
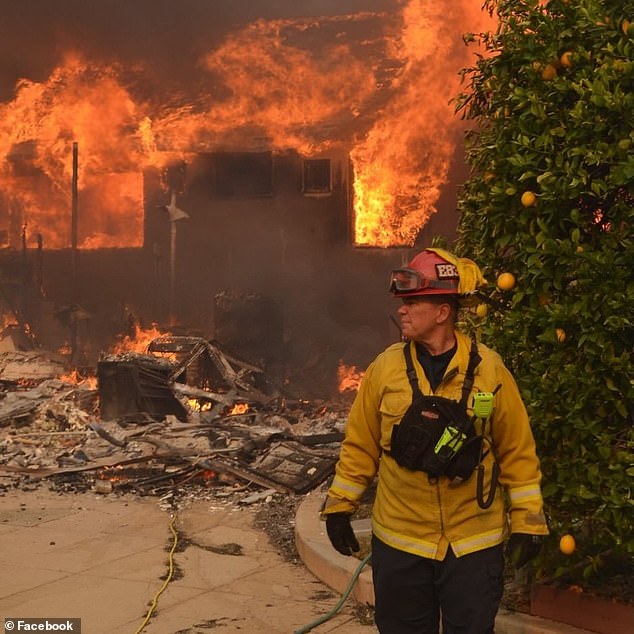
pixel 551 200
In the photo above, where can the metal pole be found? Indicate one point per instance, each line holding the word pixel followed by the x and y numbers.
pixel 73 226
pixel 40 266
pixel 23 311
pixel 172 318
pixel 73 246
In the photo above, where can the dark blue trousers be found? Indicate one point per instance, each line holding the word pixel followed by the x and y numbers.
pixel 412 594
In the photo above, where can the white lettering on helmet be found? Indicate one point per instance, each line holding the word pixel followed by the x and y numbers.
pixel 446 271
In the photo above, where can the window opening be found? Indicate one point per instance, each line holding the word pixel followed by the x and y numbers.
pixel 316 176
pixel 243 174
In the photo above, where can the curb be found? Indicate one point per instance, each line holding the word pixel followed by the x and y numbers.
pixel 336 570
pixel 318 555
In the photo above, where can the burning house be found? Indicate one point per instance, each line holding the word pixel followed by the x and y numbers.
pixel 259 202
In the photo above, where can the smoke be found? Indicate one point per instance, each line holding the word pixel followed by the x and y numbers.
pixel 165 36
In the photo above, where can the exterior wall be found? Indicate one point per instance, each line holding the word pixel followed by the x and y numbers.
pixel 269 243
pixel 307 299
pixel 289 249
pixel 310 299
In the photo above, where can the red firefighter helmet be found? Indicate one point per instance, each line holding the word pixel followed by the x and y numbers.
pixel 430 272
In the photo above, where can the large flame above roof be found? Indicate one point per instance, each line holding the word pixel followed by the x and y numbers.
pixel 379 84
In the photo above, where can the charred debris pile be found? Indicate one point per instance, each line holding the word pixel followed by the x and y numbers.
pixel 183 414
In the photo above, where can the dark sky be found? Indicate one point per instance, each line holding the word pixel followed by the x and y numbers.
pixel 169 34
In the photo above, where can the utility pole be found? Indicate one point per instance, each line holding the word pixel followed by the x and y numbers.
pixel 73 248
pixel 174 214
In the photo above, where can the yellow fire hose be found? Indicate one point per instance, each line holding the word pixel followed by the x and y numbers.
pixel 148 616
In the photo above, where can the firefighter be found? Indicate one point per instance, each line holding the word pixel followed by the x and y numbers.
pixel 458 478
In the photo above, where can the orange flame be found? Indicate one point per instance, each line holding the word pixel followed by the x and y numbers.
pixel 79 103
pixel 404 160
pixel 198 406
pixel 89 382
pixel 112 474
pixel 349 377
pixel 65 349
pixel 279 84
pixel 139 341
pixel 8 319
pixel 239 408
pixel 379 84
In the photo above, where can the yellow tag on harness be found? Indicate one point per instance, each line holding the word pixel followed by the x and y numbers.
pixel 450 441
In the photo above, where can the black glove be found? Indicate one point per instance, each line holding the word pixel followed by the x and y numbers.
pixel 521 548
pixel 340 533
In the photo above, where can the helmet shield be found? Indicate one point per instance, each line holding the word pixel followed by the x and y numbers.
pixel 407 281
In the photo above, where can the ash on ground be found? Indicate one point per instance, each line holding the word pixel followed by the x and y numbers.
pixel 277 519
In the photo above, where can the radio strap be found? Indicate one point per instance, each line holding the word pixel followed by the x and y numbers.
pixel 474 360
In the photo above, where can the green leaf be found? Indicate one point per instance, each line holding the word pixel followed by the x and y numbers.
pixel 571 141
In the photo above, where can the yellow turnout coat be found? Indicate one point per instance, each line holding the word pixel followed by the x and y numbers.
pixel 420 515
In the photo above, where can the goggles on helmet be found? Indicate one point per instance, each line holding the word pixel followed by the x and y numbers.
pixel 409 281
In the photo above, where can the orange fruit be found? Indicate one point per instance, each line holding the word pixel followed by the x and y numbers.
pixel 566 59
pixel 561 335
pixel 567 544
pixel 549 72
pixel 482 310
pixel 625 27
pixel 506 281
pixel 528 199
